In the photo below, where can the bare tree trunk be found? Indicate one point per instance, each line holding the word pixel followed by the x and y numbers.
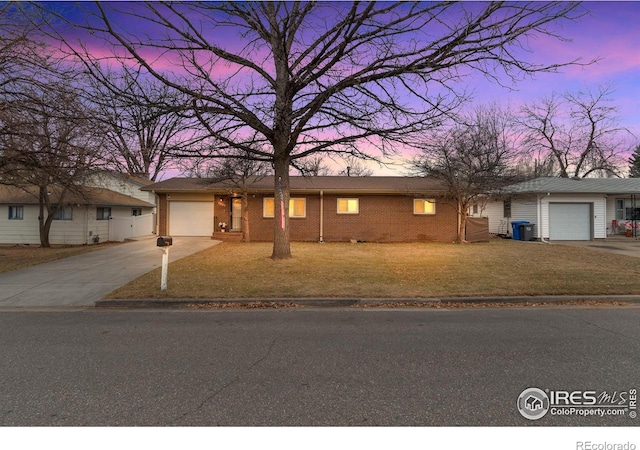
pixel 462 221
pixel 45 229
pixel 281 244
pixel 246 236
pixel 44 225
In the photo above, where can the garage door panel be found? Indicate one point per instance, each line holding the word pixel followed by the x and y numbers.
pixel 191 218
pixel 570 221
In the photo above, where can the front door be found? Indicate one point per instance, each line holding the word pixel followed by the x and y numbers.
pixel 236 214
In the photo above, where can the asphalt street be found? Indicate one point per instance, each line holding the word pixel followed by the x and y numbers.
pixel 343 367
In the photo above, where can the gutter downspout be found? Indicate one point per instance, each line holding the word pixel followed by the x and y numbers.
pixel 86 225
pixel 321 217
pixel 539 212
pixel 157 211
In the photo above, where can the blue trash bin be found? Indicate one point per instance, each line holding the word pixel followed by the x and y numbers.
pixel 515 225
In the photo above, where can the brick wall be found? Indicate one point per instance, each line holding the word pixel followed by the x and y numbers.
pixel 380 219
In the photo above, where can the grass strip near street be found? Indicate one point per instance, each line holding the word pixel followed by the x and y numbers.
pixel 13 257
pixel 416 270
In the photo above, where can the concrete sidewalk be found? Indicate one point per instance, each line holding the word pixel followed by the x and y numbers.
pixel 82 280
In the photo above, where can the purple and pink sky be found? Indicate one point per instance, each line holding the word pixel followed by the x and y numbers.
pixel 609 32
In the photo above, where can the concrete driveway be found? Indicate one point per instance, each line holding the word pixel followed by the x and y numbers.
pixel 614 244
pixel 83 279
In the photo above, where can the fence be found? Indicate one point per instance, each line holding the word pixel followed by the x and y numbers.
pixel 121 228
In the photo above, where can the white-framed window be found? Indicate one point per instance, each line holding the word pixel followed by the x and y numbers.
pixel 506 208
pixel 103 213
pixel 626 209
pixel 136 211
pixel 348 206
pixel 63 213
pixel 297 207
pixel 16 212
pixel 424 206
pixel 620 209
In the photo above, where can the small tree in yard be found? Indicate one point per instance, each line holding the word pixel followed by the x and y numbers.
pixel 471 157
pixel 236 172
pixel 283 81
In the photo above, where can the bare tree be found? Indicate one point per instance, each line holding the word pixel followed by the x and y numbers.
pixel 236 173
pixel 16 48
pixel 283 81
pixel 48 139
pixel 338 165
pixel 528 168
pixel 313 166
pixel 48 143
pixel 472 158
pixel 142 119
pixel 354 167
pixel 576 134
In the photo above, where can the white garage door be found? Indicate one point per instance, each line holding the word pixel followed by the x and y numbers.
pixel 570 221
pixel 191 218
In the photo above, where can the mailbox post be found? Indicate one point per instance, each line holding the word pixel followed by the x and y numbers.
pixel 164 243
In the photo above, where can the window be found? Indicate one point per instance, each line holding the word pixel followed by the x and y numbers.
pixel 136 211
pixel 63 213
pixel 103 213
pixel 627 209
pixel 16 212
pixel 424 206
pixel 297 207
pixel 348 206
pixel 620 209
pixel 506 210
pixel 632 214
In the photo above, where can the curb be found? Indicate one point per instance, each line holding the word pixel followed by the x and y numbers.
pixel 350 302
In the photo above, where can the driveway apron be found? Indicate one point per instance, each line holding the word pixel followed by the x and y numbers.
pixel 83 279
pixel 618 245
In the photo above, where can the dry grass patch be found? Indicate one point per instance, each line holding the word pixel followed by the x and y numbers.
pixel 235 270
pixel 14 257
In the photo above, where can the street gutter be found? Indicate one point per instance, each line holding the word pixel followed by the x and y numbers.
pixel 363 302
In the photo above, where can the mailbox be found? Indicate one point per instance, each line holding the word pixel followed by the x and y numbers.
pixel 164 241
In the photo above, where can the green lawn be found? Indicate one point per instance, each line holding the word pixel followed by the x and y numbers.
pixel 235 270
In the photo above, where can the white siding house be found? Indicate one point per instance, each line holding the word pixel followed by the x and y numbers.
pixel 568 209
pixel 502 213
pixel 98 216
pixel 124 184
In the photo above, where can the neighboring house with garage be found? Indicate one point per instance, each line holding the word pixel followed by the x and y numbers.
pixel 567 208
pixel 102 214
pixel 373 209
